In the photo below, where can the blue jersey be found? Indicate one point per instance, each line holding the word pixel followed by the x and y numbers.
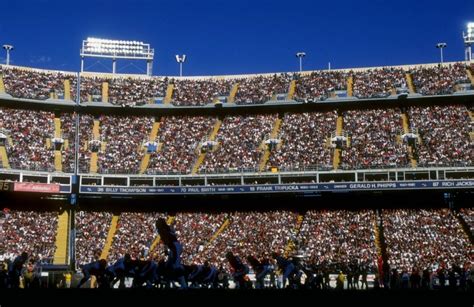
pixel 91 268
pixel 120 266
pixel 282 262
pixel 17 265
pixel 174 257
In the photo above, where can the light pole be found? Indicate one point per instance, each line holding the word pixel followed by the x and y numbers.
pixel 441 46
pixel 180 60
pixel 301 55
pixel 8 48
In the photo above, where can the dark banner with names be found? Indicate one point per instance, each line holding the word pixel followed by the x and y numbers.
pixel 283 188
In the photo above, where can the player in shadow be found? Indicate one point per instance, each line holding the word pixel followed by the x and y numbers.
pixel 173 268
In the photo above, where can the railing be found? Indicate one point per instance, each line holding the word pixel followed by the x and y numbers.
pixel 235 171
pixel 33 168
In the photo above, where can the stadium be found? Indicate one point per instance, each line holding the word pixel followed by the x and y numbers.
pixel 352 179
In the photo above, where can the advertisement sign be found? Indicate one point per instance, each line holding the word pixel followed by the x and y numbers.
pixel 36 187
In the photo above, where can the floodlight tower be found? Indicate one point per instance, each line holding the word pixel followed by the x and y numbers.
pixel 441 46
pixel 116 50
pixel 301 55
pixel 469 40
pixel 8 48
pixel 180 60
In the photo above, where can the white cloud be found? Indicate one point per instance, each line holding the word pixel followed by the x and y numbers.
pixel 39 59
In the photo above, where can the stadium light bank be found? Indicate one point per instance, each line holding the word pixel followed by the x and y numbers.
pixel 117 49
pixel 469 40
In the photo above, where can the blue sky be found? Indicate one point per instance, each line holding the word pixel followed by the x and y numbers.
pixel 233 37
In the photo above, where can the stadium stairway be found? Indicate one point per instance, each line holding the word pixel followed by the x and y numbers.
pixel 465 226
pixel 62 235
pixel 93 166
pixel 58 163
pixel 94 155
pixel 105 91
pixel 202 155
pixel 110 237
pixel 48 143
pixel 380 243
pixel 350 86
pixel 290 246
pixel 266 153
pixel 156 241
pixel 145 162
pixel 411 86
pixel 57 127
pixel 2 85
pixel 233 92
pixel 146 157
pixel 4 157
pixel 169 93
pixel 291 90
pixel 223 227
pixel 336 160
pixel 470 74
pixel 406 129
pixel 96 129
pixel 67 90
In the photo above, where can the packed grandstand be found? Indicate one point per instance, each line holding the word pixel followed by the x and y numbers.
pixel 54 123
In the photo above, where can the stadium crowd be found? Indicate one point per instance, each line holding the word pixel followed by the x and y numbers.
pixel 28 131
pixel 134 235
pixel 91 88
pixel 68 134
pixel 259 89
pixel 319 84
pixel 443 132
pixel 378 83
pixel 439 80
pixel 425 248
pixel 252 233
pixel 425 239
pixel 36 84
pixel 468 216
pixel 86 123
pixel 179 138
pixel 33 232
pixel 124 138
pixel 373 139
pixel 195 231
pixel 339 238
pixel 191 92
pixel 91 233
pixel 239 141
pixel 303 141
pixel 135 91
